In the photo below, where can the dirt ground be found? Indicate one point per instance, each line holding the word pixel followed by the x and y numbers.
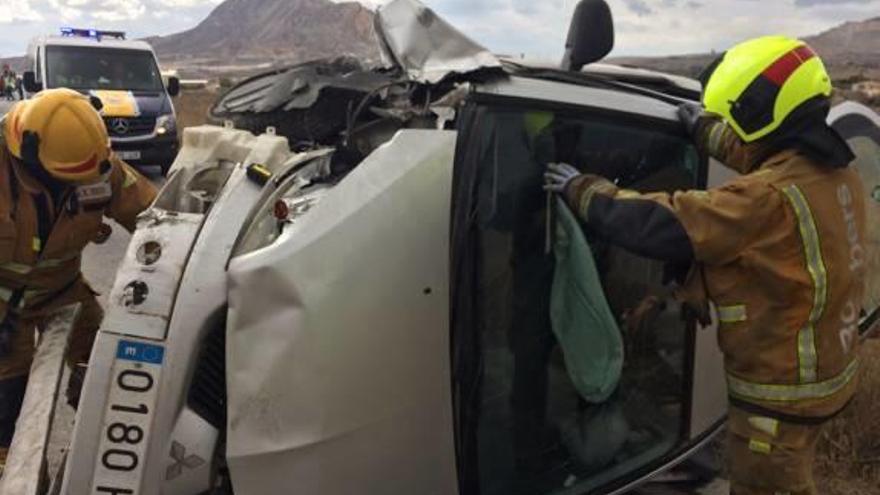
pixel 192 106
pixel 849 454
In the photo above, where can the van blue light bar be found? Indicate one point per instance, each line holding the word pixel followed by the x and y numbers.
pixel 95 34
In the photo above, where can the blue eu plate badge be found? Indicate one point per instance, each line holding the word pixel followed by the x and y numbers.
pixel 140 352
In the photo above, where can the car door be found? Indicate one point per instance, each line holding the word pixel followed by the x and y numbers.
pixel 860 127
pixel 522 426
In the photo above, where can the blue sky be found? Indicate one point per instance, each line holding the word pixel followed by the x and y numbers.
pixel 536 28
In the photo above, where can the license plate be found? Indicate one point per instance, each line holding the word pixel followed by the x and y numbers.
pixel 129 155
pixel 127 418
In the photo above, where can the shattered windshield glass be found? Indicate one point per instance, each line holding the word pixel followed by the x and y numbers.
pixel 88 68
pixel 537 431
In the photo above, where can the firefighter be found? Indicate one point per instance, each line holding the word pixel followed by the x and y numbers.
pixel 778 251
pixel 58 178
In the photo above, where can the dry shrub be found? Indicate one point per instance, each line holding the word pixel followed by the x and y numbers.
pixel 192 106
pixel 848 461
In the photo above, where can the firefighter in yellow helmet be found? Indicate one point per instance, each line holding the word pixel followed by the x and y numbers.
pixel 778 251
pixel 58 178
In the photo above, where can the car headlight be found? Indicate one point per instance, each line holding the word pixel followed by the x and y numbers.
pixel 165 124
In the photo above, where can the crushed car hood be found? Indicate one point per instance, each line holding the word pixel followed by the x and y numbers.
pixel 418 46
pixel 425 46
pixel 298 87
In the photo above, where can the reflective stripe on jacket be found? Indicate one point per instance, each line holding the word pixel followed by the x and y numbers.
pixel 783 260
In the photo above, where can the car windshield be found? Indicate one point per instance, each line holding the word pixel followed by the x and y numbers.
pixel 534 429
pixel 101 68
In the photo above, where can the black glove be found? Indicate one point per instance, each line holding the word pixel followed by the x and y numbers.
pixel 104 232
pixel 689 114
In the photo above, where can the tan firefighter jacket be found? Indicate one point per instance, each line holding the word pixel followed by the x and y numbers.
pixel 782 257
pixel 41 243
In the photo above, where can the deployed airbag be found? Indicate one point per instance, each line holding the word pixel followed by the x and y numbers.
pixel 582 321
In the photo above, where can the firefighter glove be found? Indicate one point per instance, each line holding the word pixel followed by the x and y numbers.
pixel 558 176
pixel 689 114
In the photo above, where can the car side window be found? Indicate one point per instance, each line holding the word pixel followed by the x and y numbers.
pixel 535 431
pixel 863 137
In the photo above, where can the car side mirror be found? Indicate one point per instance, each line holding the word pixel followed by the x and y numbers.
pixel 29 81
pixel 591 35
pixel 173 86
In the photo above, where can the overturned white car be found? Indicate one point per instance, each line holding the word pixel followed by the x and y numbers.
pixel 357 300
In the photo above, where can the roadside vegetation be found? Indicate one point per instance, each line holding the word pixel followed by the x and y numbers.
pixel 848 460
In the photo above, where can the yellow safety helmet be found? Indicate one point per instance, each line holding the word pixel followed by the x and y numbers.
pixel 73 141
pixel 757 84
pixel 12 128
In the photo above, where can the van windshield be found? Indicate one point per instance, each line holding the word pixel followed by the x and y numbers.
pixel 88 68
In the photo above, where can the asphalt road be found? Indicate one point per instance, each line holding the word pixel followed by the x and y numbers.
pixel 4 106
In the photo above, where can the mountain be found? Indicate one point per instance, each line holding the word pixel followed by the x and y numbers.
pixel 851 43
pixel 851 51
pixel 249 34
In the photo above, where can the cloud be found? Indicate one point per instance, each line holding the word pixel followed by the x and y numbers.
pixel 187 3
pixel 640 7
pixel 813 3
pixel 12 11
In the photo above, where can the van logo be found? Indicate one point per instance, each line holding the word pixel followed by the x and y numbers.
pixel 119 126
pixel 181 461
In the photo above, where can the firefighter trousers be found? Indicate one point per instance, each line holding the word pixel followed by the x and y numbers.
pixel 14 367
pixel 770 457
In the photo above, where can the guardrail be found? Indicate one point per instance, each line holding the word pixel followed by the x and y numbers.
pixel 26 464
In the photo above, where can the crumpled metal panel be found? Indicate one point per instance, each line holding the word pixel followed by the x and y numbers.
pixel 338 359
pixel 427 47
pixel 300 86
pixel 27 454
pixel 149 291
pixel 194 254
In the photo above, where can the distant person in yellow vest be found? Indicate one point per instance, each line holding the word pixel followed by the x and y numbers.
pixel 779 251
pixel 58 179
pixel 8 82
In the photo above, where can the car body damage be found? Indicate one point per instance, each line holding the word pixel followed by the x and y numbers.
pixel 358 300
pixel 426 47
pixel 307 104
pixel 177 258
pixel 321 102
pixel 343 349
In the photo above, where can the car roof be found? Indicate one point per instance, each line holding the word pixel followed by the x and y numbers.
pixel 601 99
pixel 633 75
pixel 93 43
